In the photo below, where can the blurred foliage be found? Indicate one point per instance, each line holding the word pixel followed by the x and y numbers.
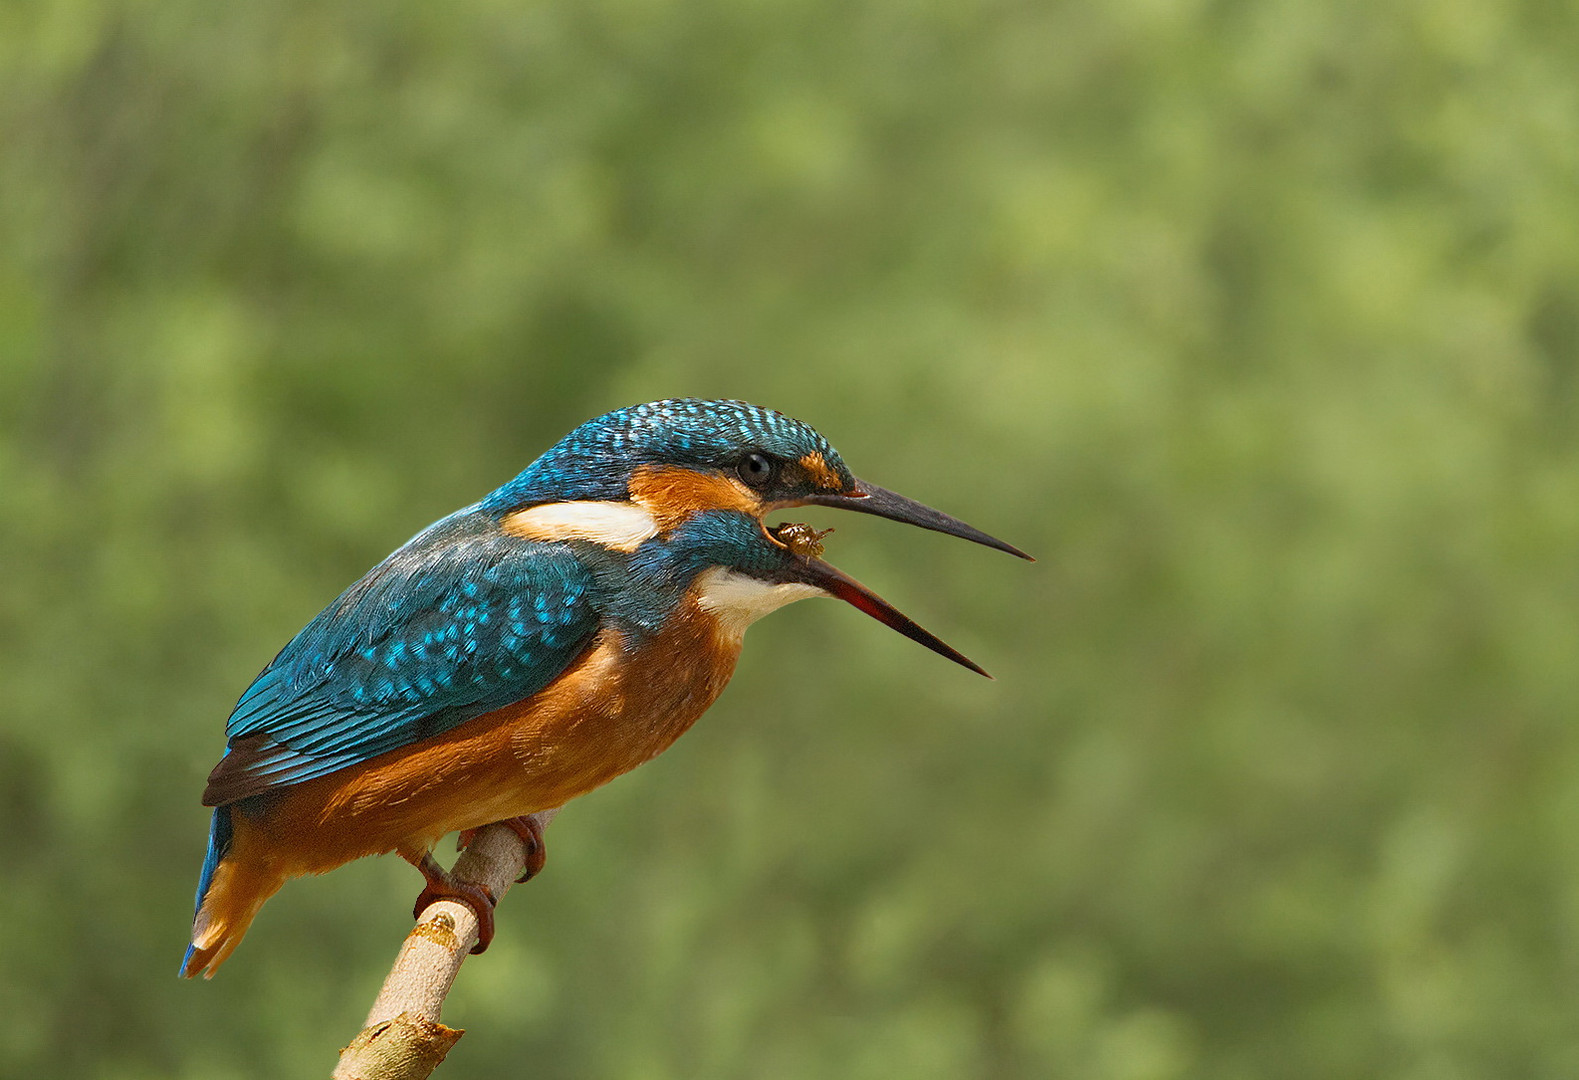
pixel 1257 321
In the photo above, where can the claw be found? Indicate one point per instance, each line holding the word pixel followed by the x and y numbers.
pixel 531 834
pixel 442 886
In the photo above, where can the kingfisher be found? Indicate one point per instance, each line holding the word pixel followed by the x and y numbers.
pixel 527 649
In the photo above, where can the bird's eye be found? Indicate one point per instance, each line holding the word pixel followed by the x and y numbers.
pixel 755 469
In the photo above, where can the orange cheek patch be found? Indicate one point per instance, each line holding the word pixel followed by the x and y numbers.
pixel 820 471
pixel 671 495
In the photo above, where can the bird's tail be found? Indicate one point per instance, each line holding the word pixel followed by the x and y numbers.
pixel 230 891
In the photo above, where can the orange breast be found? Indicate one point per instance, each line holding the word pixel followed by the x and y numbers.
pixel 613 709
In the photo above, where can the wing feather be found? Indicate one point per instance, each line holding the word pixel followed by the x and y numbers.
pixel 460 621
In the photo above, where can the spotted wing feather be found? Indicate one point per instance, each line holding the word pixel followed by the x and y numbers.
pixel 460 621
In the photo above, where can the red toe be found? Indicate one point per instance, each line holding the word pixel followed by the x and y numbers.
pixel 531 834
pixel 442 886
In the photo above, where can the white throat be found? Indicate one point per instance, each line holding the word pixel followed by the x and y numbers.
pixel 737 600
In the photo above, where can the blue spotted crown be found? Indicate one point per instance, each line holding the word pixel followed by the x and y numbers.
pixel 595 461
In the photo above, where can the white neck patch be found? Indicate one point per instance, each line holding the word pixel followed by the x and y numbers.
pixel 737 600
pixel 621 526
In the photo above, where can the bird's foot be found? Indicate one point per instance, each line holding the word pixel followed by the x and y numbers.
pixel 441 885
pixel 531 834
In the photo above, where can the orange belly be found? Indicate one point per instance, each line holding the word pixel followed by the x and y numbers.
pixel 609 712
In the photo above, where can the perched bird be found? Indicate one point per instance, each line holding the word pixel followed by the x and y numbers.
pixel 526 649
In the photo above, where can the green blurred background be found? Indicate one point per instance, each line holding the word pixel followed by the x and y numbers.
pixel 1257 321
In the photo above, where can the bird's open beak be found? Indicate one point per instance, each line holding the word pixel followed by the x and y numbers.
pixel 807 568
pixel 871 499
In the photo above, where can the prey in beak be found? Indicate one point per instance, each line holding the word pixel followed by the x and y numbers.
pixel 803 547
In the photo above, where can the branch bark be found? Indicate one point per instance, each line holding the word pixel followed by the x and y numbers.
pixel 403 1038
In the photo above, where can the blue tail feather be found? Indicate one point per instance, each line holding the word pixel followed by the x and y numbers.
pixel 219 834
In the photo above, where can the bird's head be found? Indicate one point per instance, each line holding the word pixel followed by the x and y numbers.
pixel 699 477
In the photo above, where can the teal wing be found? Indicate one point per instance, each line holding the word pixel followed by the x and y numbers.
pixel 462 620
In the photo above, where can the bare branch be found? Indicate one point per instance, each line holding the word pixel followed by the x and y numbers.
pixel 403 1038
